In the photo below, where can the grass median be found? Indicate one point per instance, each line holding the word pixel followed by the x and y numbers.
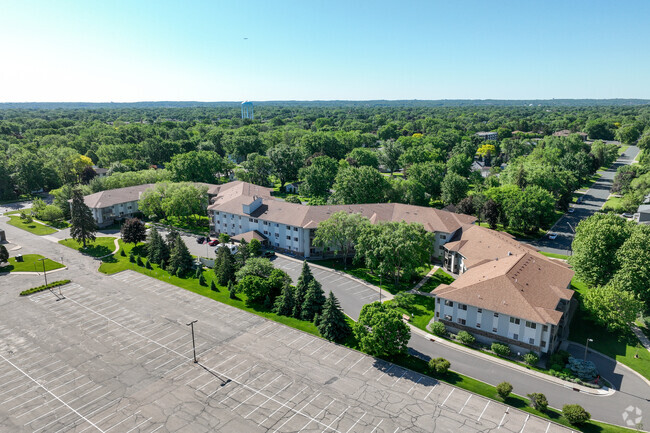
pixel 102 246
pixel 33 227
pixel 31 263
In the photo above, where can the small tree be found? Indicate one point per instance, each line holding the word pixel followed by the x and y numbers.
pixel 381 331
pixel 133 231
pixel 538 401
pixel 285 302
pixel 131 257
pixel 500 349
pixel 224 266
pixel 255 289
pixel 438 328
pixel 575 414
pixel 157 249
pixel 466 338
pixel 82 224
pixel 301 289
pixel 439 365
pixel 180 259
pixel 531 358
pixel 232 290
pixel 224 238
pixel 202 280
pixel 255 248
pixel 139 261
pixel 4 254
pixel 148 265
pixel 213 286
pixel 332 323
pixel 504 389
pixel 314 301
pixel 123 254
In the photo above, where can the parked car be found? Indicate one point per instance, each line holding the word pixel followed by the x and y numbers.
pixel 572 209
pixel 552 235
pixel 268 254
pixel 200 239
pixel 627 215
pixel 214 242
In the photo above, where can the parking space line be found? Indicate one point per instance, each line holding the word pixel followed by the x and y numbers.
pixel 466 401
pixel 547 427
pixel 452 391
pixel 502 418
pixel 64 416
pixel 38 396
pixel 377 426
pixel 273 396
pixel 261 389
pixel 127 418
pixel 91 414
pixel 524 426
pixel 309 421
pixel 398 379
pixel 486 406
pixel 430 391
pixel 385 372
pixel 138 425
pixel 411 389
pixel 346 355
pixel 288 401
pixel 356 422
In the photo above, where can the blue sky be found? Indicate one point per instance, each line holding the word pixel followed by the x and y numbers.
pixel 141 50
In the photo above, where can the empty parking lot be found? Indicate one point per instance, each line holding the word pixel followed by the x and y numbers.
pixel 117 357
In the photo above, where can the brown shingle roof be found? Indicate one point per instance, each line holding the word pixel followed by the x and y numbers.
pixel 112 197
pixel 523 286
pixel 249 236
pixel 230 190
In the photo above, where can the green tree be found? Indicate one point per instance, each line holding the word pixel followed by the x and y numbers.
pixel 575 414
pixel 360 157
pixel 340 232
pixel 531 209
pixel 538 401
pixel 256 169
pixel 634 257
pixel 286 162
pixel 185 200
pixel 359 185
pixel 257 266
pixel 460 164
pixel 82 224
pixel 595 247
pixel 314 301
pixel 381 331
pixel 254 287
pixel 4 254
pixel 197 166
pixel 51 213
pixel 504 389
pixel 429 174
pixel 599 129
pixel 254 248
pixel 332 323
pixel 302 286
pixel 389 155
pixel 453 188
pixel 213 286
pixel 318 177
pixel 157 249
pixel 133 231
pixel 466 338
pixel 284 303
pixel 224 266
pixel 439 365
pixel 180 259
pixel 612 307
pixel 232 290
pixel 629 133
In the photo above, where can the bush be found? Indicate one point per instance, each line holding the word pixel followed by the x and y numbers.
pixel 466 338
pixel 500 349
pixel 139 261
pixel 504 389
pixel 51 213
pixel 213 286
pixel 131 258
pixel 538 401
pixel 575 414
pixel 43 287
pixel 148 265
pixel 531 358
pixel 439 365
pixel 202 280
pixel 585 370
pixel 438 328
pixel 122 253
pixel 560 357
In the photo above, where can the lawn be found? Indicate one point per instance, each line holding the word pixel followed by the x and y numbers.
pixel 621 347
pixel 197 224
pixel 33 227
pixel 117 263
pixel 30 263
pixel 366 274
pixel 439 277
pixel 421 309
pixel 102 246
pixel 555 256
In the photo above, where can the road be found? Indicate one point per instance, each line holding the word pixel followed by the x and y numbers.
pixel 592 201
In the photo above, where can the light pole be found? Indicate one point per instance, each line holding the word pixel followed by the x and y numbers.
pixel 380 288
pixel 587 347
pixel 193 344
pixel 44 273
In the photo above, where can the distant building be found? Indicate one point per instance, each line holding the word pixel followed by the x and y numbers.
pixel 247 110
pixel 101 172
pixel 642 215
pixel 487 135
pixel 566 133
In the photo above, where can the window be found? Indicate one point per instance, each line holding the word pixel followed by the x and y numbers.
pixel 277 235
pixel 265 223
pixel 250 219
pixel 494 329
pixel 449 303
pixel 440 247
pixel 447 317
pixel 295 229
pixel 438 300
pixel 216 213
pixel 515 336
pixel 544 328
pixel 496 314
pixel 478 325
pixel 461 321
pixel 443 236
pixel 462 307
pixel 480 310
pixel 288 238
pixel 233 226
pixel 277 225
pixel 288 227
pixel 265 232
pixel 531 325
pixel 437 314
pixel 531 340
pixel 232 216
pixel 295 239
pixel 277 244
pixel 542 343
pixel 254 220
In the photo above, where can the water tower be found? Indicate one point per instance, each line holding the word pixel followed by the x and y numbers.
pixel 247 110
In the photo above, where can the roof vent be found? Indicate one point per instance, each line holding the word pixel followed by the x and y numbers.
pixel 509 253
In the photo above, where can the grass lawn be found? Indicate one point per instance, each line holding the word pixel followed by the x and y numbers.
pixel 102 246
pixel 421 310
pixel 31 263
pixel 60 224
pixel 621 347
pixel 117 263
pixel 439 277
pixel 33 227
pixel 365 274
pixel 197 224
pixel 553 255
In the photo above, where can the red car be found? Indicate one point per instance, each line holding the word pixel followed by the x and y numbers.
pixel 214 242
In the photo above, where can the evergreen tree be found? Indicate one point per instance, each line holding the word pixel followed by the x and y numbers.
pixel 301 289
pixel 285 302
pixel 242 254
pixel 232 289
pixel 131 257
pixel 180 259
pixel 82 223
pixel 133 231
pixel 202 280
pixel 139 262
pixel 122 253
pixel 148 265
pixel 157 249
pixel 314 301
pixel 199 272
pixel 224 266
pixel 4 254
pixel 332 322
pixel 213 286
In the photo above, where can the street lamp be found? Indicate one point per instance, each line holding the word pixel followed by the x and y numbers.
pixel 587 347
pixel 380 287
pixel 193 344
pixel 44 273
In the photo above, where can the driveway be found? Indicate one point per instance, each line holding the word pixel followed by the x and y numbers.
pixel 592 201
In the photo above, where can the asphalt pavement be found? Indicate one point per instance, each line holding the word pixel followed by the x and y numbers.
pixel 591 202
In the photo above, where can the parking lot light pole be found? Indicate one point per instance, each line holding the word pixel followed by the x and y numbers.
pixel 44 273
pixel 587 347
pixel 193 344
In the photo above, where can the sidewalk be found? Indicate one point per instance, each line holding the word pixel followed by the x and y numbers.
pixel 641 336
pixel 483 356
pixel 415 290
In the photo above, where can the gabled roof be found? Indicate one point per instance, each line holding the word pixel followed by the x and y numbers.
pixel 230 190
pixel 249 236
pixel 523 286
pixel 112 197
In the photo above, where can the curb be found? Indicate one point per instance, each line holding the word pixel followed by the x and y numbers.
pixel 38 273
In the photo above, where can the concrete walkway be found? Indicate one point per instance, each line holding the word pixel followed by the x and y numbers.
pixel 641 336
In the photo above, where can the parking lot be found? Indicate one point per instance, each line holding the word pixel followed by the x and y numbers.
pixel 118 357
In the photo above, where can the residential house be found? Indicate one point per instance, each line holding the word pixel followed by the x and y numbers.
pixel 115 204
pixel 566 133
pixel 490 135
pixel 642 215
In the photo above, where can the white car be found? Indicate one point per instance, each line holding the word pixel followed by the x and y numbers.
pixel 572 209
pixel 552 235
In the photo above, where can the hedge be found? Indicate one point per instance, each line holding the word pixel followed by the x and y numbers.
pixel 43 287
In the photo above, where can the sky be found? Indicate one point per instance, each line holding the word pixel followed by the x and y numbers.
pixel 213 50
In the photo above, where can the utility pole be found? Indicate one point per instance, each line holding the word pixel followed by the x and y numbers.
pixel 193 344
pixel 44 273
pixel 587 347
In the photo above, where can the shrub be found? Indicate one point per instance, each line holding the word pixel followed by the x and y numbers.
pixel 439 365
pixel 202 280
pixel 139 261
pixel 466 338
pixel 131 258
pixel 148 265
pixel 531 358
pixel 575 414
pixel 438 328
pixel 538 401
pixel 500 349
pixel 122 253
pixel 560 357
pixel 504 389
pixel 213 286
pixel 51 213
pixel 43 287
pixel 585 370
